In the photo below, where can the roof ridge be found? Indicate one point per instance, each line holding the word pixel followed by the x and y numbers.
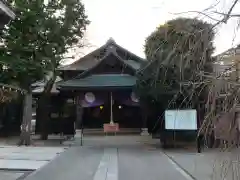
pixel 108 42
pixel 101 61
pixel 107 45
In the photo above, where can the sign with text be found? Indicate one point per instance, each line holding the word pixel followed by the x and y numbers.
pixel 111 127
pixel 181 119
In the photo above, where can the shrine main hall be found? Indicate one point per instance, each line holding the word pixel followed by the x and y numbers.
pixel 95 90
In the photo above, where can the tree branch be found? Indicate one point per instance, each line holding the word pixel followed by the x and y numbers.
pixel 224 14
pixel 199 12
pixel 227 15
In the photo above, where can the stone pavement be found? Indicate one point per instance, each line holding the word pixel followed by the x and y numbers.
pixel 112 158
pixel 88 163
pixel 209 165
pixel 137 164
pixel 26 158
pixel 16 162
pixel 53 141
pixel 74 164
pixel 115 141
pixel 10 175
pixel 117 158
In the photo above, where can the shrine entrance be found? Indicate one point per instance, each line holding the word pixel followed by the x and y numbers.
pixel 126 116
pixel 105 89
pixel 95 117
pixel 101 85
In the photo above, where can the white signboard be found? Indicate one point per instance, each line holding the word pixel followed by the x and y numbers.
pixel 181 119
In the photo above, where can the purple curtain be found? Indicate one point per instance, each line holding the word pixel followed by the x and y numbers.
pixel 125 98
pixel 99 100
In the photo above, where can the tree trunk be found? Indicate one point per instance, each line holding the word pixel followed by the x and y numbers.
pixel 44 111
pixel 25 137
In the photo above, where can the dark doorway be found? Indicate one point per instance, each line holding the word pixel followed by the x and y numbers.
pixel 95 117
pixel 127 116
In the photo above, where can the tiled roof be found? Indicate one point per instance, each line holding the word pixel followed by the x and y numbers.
pixel 95 56
pixel 133 64
pixel 100 80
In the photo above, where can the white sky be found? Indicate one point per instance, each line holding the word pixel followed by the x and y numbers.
pixel 129 22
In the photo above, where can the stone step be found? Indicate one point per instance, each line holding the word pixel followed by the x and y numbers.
pixel 122 131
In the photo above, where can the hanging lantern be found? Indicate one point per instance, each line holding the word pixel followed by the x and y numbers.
pixel 90 97
pixel 134 97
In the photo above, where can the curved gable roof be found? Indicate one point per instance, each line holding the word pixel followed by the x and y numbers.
pixel 97 55
pixel 110 52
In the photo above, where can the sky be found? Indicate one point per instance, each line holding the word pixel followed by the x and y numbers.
pixel 129 22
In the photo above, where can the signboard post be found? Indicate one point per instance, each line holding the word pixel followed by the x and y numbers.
pixel 181 121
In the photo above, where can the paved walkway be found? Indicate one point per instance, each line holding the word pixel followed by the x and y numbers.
pixel 10 175
pixel 117 158
pixel 87 163
pixel 112 158
pixel 26 158
pixel 17 162
pixel 209 165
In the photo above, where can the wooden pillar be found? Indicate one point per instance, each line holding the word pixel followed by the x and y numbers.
pixel 111 109
pixel 79 113
pixel 79 119
pixel 144 129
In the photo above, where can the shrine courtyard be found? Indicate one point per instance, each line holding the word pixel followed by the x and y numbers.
pixel 128 157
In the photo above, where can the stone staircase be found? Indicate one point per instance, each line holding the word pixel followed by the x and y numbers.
pixel 122 131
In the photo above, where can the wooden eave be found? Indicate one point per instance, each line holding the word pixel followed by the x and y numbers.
pixel 102 61
pixel 89 56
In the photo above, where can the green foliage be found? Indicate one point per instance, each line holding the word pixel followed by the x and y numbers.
pixel 177 51
pixel 180 39
pixel 18 53
pixel 36 41
pixel 155 80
